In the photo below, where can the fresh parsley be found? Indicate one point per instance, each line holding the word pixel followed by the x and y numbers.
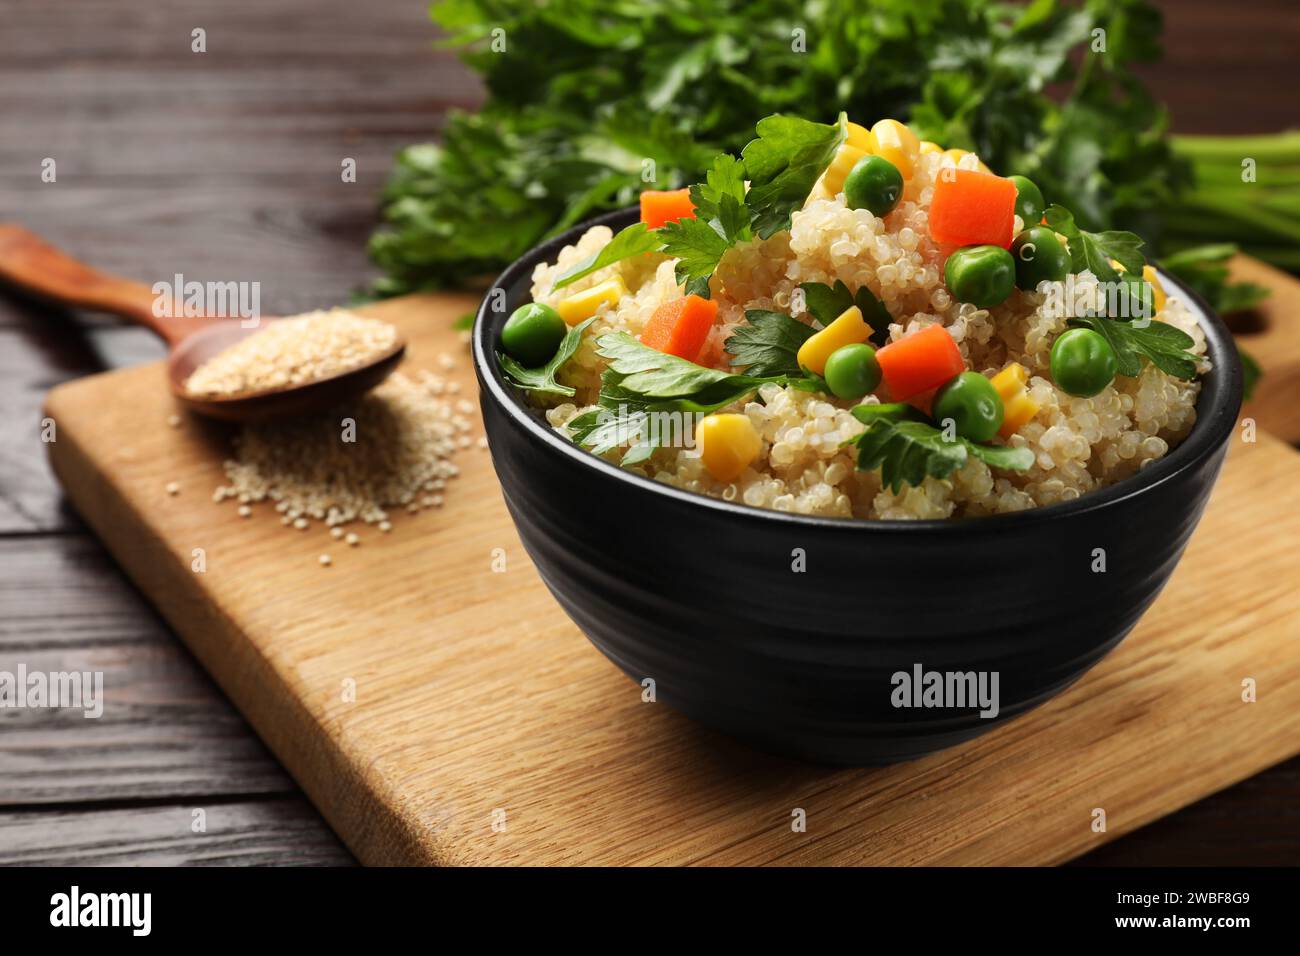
pixel 542 379
pixel 783 163
pixel 768 344
pixel 1095 250
pixel 827 303
pixel 1160 343
pixel 641 378
pixel 907 447
pixel 635 240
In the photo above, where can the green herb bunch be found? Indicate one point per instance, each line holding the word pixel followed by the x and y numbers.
pixel 582 93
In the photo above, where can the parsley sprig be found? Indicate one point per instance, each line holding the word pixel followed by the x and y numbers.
pixel 1160 343
pixel 542 379
pixel 781 164
pixel 907 447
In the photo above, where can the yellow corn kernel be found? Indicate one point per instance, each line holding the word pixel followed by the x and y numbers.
pixel 1149 273
pixel 898 144
pixel 928 147
pixel 846 157
pixel 727 445
pixel 849 329
pixel 860 138
pixel 1017 407
pixel 1010 380
pixel 583 305
pixel 1017 413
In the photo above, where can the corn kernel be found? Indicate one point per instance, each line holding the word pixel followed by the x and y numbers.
pixel 1017 413
pixel 898 144
pixel 860 138
pixel 928 147
pixel 1017 407
pixel 1010 380
pixel 1149 273
pixel 849 329
pixel 727 444
pixel 583 305
pixel 846 157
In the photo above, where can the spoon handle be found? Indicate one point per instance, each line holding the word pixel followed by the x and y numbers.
pixel 30 263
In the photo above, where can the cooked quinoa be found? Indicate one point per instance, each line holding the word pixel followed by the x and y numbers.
pixel 1078 444
pixel 289 352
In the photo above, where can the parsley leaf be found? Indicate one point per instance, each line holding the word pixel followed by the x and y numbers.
pixel 784 163
pixel 769 343
pixel 1095 250
pixel 697 246
pixel 542 380
pixel 827 303
pixel 632 241
pixel 908 448
pixel 1160 343
pixel 641 378
pixel 721 220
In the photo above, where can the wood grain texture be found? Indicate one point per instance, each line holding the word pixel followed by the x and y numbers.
pixel 476 694
pixel 1271 334
pixel 165 730
pixel 251 833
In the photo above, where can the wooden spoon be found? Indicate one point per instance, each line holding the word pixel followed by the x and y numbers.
pixel 30 263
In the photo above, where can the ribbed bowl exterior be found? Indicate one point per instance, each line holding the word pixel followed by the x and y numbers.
pixel 703 597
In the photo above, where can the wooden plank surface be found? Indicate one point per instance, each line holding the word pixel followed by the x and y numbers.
pixel 253 833
pixel 475 694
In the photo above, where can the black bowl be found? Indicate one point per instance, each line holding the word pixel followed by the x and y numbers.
pixel 701 595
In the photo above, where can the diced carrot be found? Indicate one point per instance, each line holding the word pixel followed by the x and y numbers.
pixel 680 327
pixel 970 208
pixel 659 206
pixel 923 360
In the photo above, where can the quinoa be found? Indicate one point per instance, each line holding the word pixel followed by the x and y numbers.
pixel 291 352
pixel 1079 444
pixel 354 463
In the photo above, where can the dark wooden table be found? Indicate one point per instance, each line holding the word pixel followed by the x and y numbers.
pixel 224 165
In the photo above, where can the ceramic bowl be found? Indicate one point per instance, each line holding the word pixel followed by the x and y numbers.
pixel 704 597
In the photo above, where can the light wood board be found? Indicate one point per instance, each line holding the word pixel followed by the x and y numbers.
pixel 478 703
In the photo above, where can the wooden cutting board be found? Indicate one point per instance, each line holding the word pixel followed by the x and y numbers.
pixel 485 729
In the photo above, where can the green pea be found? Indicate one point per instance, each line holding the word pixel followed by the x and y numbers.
pixel 873 183
pixel 981 275
pixel 532 334
pixel 1083 363
pixel 973 405
pixel 852 371
pixel 1029 201
pixel 1039 256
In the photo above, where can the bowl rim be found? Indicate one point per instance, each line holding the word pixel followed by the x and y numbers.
pixel 1217 407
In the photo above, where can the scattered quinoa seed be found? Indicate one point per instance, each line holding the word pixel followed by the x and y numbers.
pixel 173 488
pixel 245 511
pixel 352 540
pixel 326 560
pixel 174 420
